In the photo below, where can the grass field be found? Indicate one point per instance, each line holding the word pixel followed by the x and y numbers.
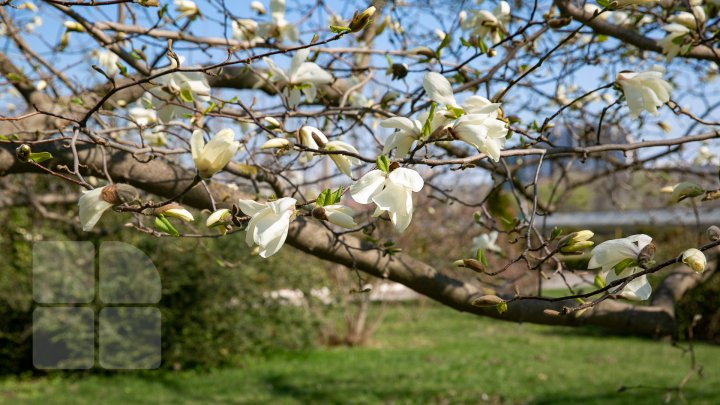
pixel 421 354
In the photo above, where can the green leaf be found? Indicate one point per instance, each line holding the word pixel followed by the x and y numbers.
pixel 77 101
pixel 555 233
pixel 323 198
pixel 40 157
pixel 337 195
pixel 603 3
pixel 501 307
pixel 186 95
pixel 456 111
pixel 336 29
pixel 383 163
pixel 122 68
pixel 477 216
pixel 480 256
pixel 210 107
pixel 482 46
pixel 624 264
pixel 164 225
pixel 599 281
pixel 427 126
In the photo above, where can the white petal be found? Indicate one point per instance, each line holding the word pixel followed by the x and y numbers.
pixel 438 88
pixel 250 207
pixel 407 178
pixel 367 186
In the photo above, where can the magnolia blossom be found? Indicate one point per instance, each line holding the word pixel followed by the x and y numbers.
pixel 212 157
pixel 177 90
pixel 186 8
pixel 301 78
pixel 672 45
pixel 644 91
pixel 623 3
pixel 280 143
pixel 439 90
pixel 688 20
pixel 175 210
pixel 312 138
pixel 610 253
pixel 279 28
pixel 245 31
pixel 344 163
pixel 92 205
pixel 487 241
pixel 483 23
pixel 337 214
pixel 218 217
pixel 257 7
pixel 408 131
pixel 269 225
pixel 695 259
pixel 483 131
pixel 391 192
pixel 142 116
pixel 108 61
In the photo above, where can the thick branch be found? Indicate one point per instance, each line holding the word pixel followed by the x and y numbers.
pixel 628 36
pixel 454 287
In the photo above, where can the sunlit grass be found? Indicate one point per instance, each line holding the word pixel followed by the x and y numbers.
pixel 422 353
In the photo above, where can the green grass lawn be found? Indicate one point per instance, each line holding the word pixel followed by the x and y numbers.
pixel 420 354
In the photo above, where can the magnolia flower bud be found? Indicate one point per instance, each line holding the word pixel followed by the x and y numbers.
pixel 272 123
pixel 218 218
pixel 176 211
pixel 257 7
pixel 577 241
pixel 713 233
pixel 23 152
pixel 74 26
pixel 280 143
pixel 695 259
pixel 685 190
pixel 487 300
pixel 472 264
pixel 120 194
pixel 359 21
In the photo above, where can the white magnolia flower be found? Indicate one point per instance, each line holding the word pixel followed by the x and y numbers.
pixel 279 28
pixel 487 241
pixel 609 253
pixel 408 131
pixel 212 157
pixel 269 225
pixel 92 206
pixel 74 26
pixel 670 45
pixel 337 214
pixel 313 138
pixel 280 143
pixel 245 31
pixel 592 9
pixel 391 192
pixel 483 131
pixel 344 163
pixel 142 116
pixel 257 7
pixel 108 60
pixel 40 85
pixel 644 91
pixel 301 78
pixel 687 19
pixel 177 90
pixel 439 90
pixel 186 8
pixel 218 217
pixel 484 23
pixel 175 210
pixel 695 259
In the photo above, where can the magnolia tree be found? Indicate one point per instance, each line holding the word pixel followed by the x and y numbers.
pixel 322 124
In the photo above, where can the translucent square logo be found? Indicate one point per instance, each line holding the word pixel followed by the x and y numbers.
pixel 80 307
